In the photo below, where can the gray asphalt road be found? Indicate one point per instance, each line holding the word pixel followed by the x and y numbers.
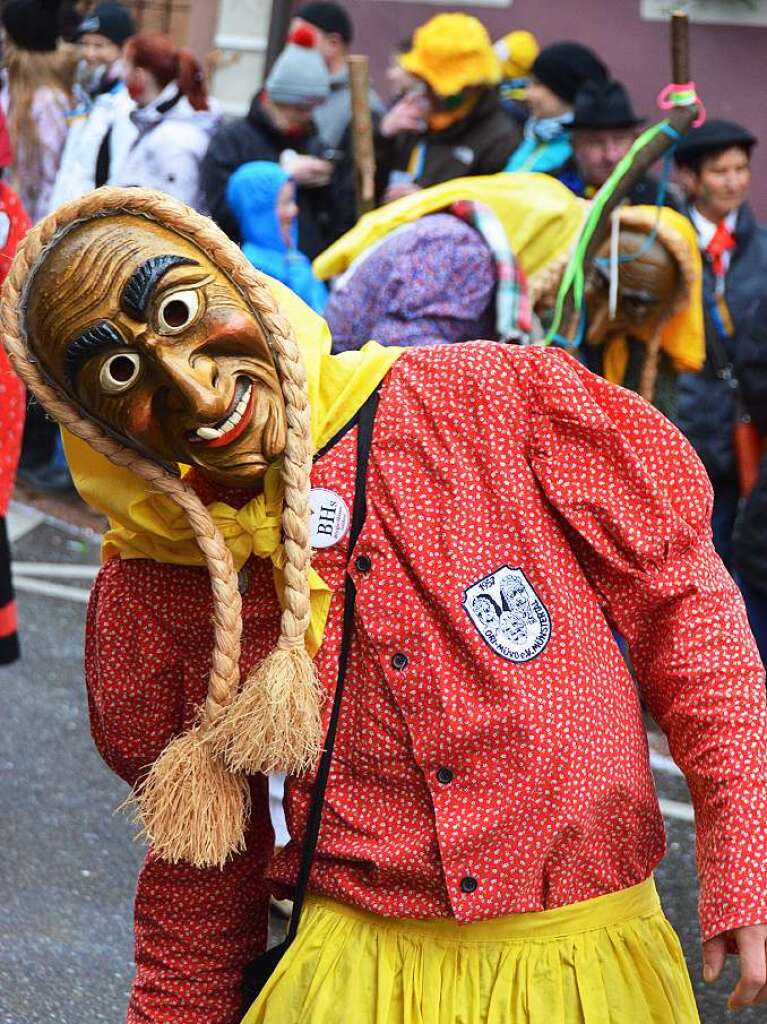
pixel 69 864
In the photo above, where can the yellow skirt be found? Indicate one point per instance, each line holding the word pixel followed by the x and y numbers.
pixel 611 960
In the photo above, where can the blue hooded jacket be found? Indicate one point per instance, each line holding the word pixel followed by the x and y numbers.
pixel 252 196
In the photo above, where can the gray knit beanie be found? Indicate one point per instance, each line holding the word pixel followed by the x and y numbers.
pixel 299 76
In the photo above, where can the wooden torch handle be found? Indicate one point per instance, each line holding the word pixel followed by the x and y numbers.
pixel 362 132
pixel 680 48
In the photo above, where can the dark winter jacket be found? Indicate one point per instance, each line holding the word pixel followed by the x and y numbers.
pixel 480 143
pixel 750 541
pixel 706 401
pixel 323 213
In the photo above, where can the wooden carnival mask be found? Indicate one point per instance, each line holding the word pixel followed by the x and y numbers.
pixel 153 341
pixel 647 289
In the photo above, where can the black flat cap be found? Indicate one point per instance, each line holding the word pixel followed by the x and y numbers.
pixel 712 137
pixel 604 104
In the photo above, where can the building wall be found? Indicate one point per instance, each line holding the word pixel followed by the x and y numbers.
pixel 727 61
pixel 239 46
pixel 169 16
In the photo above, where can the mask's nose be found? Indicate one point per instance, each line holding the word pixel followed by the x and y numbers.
pixel 193 384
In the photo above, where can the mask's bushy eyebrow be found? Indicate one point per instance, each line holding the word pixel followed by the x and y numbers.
pixel 82 348
pixel 138 289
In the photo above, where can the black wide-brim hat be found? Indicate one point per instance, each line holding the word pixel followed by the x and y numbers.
pixel 712 137
pixel 604 105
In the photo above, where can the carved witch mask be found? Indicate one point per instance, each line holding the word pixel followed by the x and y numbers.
pixel 150 339
pixel 648 285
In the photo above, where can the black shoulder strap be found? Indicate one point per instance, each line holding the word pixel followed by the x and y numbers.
pixel 364 435
pixel 103 160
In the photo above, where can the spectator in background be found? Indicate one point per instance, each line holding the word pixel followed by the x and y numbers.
pixel 334 31
pixel 750 537
pixel 714 170
pixel 397 79
pixel 40 75
pixel 161 143
pixel 279 127
pixel 14 224
pixel 11 425
pixel 453 124
pixel 262 197
pixel 516 51
pixel 100 36
pixel 40 79
pixel 14 220
pixel 603 130
pixel 101 97
pixel 558 73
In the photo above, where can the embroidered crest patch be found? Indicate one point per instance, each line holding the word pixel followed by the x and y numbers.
pixel 508 614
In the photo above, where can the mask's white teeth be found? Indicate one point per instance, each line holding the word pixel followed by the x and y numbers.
pixel 211 433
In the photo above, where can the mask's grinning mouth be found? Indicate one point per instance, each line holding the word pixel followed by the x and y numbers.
pixel 233 424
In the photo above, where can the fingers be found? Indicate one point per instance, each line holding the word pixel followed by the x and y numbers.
pixel 714 956
pixel 752 984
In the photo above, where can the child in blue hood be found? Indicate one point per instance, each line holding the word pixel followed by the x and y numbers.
pixel 262 197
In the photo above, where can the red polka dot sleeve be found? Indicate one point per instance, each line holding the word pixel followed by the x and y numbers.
pixel 147 657
pixel 637 503
pixel 134 675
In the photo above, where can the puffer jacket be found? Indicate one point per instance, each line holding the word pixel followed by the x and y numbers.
pixel 162 146
pixel 706 406
pixel 252 194
pixel 750 540
pixel 89 124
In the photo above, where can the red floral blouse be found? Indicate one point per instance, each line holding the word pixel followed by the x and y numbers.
pixel 491 756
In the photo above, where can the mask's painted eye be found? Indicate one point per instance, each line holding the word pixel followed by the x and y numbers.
pixel 177 311
pixel 119 372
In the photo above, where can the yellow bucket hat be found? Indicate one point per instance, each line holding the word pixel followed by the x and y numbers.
pixel 451 52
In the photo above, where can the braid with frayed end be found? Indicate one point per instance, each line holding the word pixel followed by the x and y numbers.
pixel 193 805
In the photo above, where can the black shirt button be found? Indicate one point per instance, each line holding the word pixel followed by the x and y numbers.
pixel 363 563
pixel 444 775
pixel 399 661
pixel 468 884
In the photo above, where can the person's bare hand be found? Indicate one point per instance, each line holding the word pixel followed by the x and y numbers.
pixel 407 115
pixel 751 941
pixel 400 189
pixel 310 171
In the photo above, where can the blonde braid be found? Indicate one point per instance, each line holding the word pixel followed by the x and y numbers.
pixel 190 806
pixel 275 722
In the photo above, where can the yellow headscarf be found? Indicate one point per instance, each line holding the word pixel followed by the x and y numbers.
pixel 143 524
pixel 540 216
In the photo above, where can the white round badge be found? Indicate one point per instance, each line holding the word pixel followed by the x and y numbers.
pixel 329 520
